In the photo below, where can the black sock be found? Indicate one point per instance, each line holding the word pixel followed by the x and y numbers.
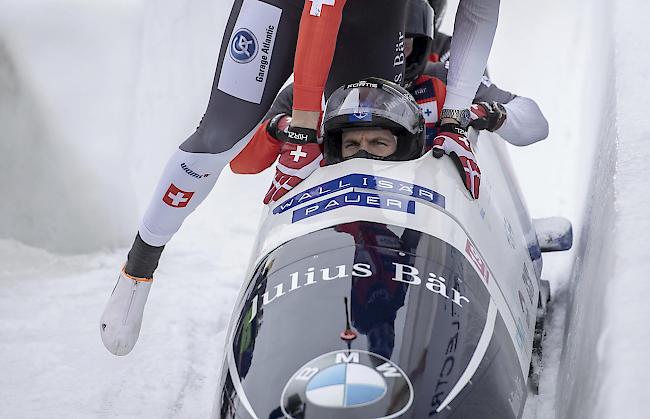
pixel 143 259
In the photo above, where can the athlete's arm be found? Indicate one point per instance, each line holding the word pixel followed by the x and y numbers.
pixel 262 150
pixel 283 103
pixel 259 154
pixel 319 26
pixel 525 123
pixel 474 29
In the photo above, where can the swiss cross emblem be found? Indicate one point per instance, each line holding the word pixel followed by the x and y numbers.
pixel 425 95
pixel 317 6
pixel 176 198
pixel 298 154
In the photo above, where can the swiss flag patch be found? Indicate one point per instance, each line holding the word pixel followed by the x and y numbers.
pixel 176 198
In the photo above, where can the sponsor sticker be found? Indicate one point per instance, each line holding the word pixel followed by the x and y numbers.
pixel 246 64
pixel 528 283
pixel 357 199
pixel 177 198
pixel 403 273
pixel 443 382
pixel 297 136
pixel 192 173
pixel 356 380
pixel 478 261
pixel 243 47
pixel 362 83
pixel 361 181
pixel 399 59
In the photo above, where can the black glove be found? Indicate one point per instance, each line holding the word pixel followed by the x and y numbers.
pixel 487 115
pixel 280 128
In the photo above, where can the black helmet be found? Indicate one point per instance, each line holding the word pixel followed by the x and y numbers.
pixel 419 26
pixel 373 103
pixel 439 7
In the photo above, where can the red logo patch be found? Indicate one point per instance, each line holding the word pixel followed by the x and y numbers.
pixel 176 198
pixel 480 264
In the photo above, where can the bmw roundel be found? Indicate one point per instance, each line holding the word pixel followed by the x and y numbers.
pixel 367 384
pixel 243 47
pixel 345 385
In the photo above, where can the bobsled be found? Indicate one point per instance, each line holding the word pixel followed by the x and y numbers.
pixel 382 289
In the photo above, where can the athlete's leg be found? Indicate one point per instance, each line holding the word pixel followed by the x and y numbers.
pixel 474 29
pixel 370 42
pixel 256 58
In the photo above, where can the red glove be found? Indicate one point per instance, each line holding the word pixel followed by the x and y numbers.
pixel 487 115
pixel 452 140
pixel 297 161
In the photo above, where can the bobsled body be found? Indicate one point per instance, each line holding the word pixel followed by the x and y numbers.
pixel 381 290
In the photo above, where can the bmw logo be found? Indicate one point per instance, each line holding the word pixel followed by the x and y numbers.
pixel 243 46
pixel 368 384
pixel 346 385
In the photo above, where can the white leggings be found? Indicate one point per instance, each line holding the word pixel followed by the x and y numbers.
pixel 474 29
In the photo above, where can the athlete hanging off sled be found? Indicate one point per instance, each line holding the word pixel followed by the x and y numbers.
pixel 256 58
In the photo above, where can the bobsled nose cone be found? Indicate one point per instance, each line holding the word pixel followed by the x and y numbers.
pixel 119 326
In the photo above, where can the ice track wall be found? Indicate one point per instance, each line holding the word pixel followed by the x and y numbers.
pixel 64 121
pixel 605 365
pixel 94 97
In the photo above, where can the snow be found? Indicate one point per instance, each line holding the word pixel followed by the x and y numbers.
pixel 608 333
pixel 95 96
pixel 53 358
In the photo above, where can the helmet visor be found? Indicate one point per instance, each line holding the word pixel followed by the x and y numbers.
pixel 364 101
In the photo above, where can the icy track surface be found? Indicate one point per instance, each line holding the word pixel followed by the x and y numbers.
pixel 93 99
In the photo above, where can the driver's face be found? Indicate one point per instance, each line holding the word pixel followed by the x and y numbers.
pixel 377 141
